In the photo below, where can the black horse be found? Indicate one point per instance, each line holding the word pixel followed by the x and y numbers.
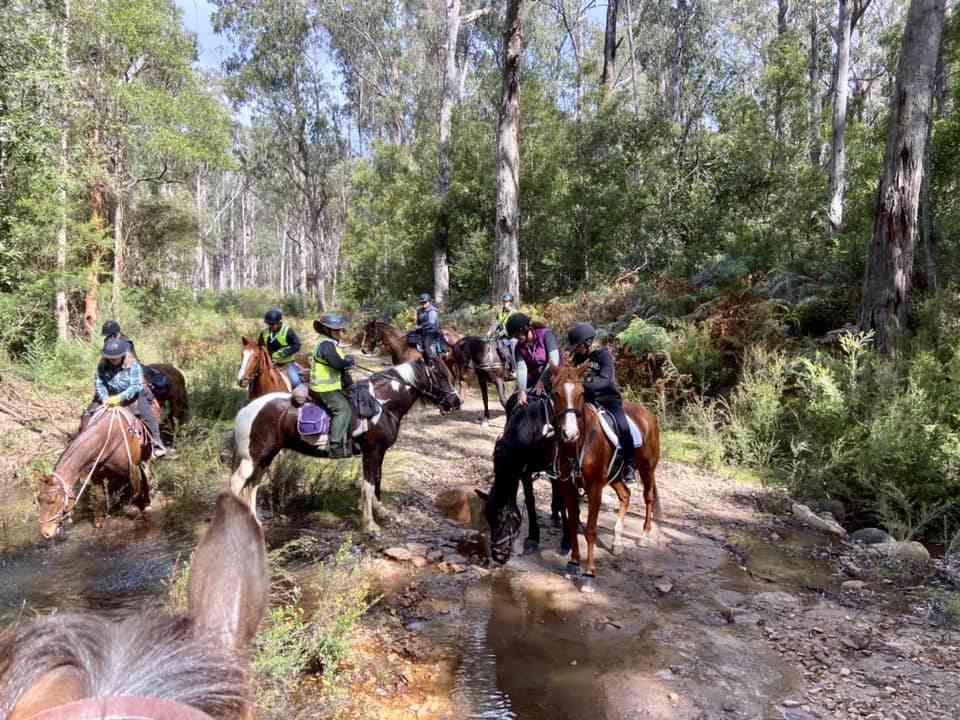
pixel 269 424
pixel 528 446
pixel 481 354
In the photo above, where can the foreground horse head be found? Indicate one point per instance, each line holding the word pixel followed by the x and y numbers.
pixel 568 400
pixel 251 362
pixel 155 666
pixel 111 446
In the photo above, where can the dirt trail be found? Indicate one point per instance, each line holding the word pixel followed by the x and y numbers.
pixel 724 613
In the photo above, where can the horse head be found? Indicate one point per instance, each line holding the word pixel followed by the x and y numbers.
pixel 55 502
pixel 371 337
pixel 500 508
pixel 568 400
pixel 250 362
pixel 439 386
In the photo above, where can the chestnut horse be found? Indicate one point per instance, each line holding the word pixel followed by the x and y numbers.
pixel 269 424
pixel 112 445
pixel 381 333
pixel 150 665
pixel 585 457
pixel 257 372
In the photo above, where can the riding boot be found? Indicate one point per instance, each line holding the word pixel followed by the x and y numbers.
pixel 153 427
pixel 629 475
pixel 340 451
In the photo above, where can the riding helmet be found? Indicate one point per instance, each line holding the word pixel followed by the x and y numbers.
pixel 424 297
pixel 517 324
pixel 114 349
pixel 331 321
pixel 581 333
pixel 273 317
pixel 110 327
pixel 508 297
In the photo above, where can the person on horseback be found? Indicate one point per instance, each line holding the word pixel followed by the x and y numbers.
pixel 505 345
pixel 428 326
pixel 537 351
pixel 119 381
pixel 600 387
pixel 111 331
pixel 329 377
pixel 282 344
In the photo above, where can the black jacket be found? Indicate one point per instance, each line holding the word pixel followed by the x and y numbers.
pixel 600 383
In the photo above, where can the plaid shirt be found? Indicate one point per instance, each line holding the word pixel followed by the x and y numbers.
pixel 127 382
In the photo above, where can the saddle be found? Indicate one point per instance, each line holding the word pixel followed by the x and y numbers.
pixel 313 421
pixel 440 346
pixel 609 424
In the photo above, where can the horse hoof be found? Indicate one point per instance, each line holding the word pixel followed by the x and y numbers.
pixel 572 571
pixel 588 585
pixel 530 546
pixel 565 547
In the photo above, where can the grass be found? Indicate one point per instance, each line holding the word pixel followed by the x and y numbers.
pixel 685 447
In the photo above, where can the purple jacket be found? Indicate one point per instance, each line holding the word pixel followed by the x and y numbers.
pixel 535 356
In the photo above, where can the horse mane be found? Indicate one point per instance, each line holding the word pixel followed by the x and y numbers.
pixel 146 656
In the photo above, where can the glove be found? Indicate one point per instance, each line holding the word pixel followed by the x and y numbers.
pixel 113 400
pixel 349 362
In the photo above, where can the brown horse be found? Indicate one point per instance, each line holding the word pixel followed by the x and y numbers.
pixel 379 333
pixel 112 445
pixel 585 459
pixel 257 372
pixel 480 354
pixel 150 665
pixel 175 399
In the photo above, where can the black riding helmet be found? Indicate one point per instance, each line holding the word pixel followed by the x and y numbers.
pixel 580 333
pixel 517 324
pixel 273 316
pixel 424 297
pixel 114 349
pixel 330 321
pixel 110 327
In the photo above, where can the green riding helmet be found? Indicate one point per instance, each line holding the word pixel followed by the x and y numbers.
pixel 114 349
pixel 580 333
pixel 517 324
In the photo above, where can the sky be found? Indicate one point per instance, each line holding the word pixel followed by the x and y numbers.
pixel 213 48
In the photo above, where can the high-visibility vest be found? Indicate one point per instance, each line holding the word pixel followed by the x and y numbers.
pixel 503 316
pixel 280 337
pixel 323 377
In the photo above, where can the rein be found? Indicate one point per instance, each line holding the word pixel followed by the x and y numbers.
pixel 64 512
pixel 436 397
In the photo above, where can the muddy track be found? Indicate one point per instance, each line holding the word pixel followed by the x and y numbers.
pixel 724 612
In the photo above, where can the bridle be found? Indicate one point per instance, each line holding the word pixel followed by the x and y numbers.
pixel 251 376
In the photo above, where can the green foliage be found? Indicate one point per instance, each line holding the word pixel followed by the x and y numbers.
pixel 644 337
pixel 694 353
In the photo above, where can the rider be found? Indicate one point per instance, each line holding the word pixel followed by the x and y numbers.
pixel 505 345
pixel 328 378
pixel 111 331
pixel 600 387
pixel 537 351
pixel 119 381
pixel 428 326
pixel 282 344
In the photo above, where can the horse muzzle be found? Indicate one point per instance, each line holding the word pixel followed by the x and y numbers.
pixel 242 382
pixel 50 530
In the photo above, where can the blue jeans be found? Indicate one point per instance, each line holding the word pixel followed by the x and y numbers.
pixel 293 372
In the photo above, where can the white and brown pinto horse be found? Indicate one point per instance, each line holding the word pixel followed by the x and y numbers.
pixel 150 664
pixel 269 424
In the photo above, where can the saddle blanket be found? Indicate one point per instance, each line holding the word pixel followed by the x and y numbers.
pixel 313 424
pixel 609 425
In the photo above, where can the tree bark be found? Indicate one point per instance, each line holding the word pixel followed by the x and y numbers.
pixel 506 268
pixel 681 15
pixel 62 307
pixel 783 10
pixel 887 284
pixel 634 86
pixel 928 230
pixel 118 250
pixel 608 78
pixel 91 301
pixel 816 108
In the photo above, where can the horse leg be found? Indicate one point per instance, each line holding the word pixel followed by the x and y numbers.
pixel 482 382
pixel 380 510
pixel 650 499
pixel 532 543
pixel 372 459
pixel 568 489
pixel 99 491
pixel 623 493
pixel 501 391
pixel 556 507
pixel 593 514
pixel 244 482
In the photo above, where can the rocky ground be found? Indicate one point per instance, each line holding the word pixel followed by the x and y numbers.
pixel 725 612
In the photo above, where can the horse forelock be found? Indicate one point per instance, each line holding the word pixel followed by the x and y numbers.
pixel 157 657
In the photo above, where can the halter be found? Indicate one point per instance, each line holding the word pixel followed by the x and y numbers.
pixel 68 495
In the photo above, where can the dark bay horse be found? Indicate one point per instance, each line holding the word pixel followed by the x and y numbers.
pixel 481 354
pixel 257 372
pixel 528 446
pixel 269 424
pixel 175 397
pixel 585 458
pixel 112 445
pixel 150 665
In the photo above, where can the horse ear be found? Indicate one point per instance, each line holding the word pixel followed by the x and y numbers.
pixel 229 581
pixel 482 495
pixel 243 339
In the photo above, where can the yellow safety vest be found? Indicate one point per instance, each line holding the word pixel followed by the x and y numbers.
pixel 280 337
pixel 323 377
pixel 503 316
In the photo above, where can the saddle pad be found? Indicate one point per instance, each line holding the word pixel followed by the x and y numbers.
pixel 313 420
pixel 609 425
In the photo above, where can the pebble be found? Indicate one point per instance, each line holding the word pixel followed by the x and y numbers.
pixel 664 586
pixel 853 585
pixel 400 554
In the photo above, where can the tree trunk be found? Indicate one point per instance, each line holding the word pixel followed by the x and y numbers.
pixel 815 102
pixel 928 230
pixel 62 308
pixel 506 272
pixel 783 9
pixel 634 86
pixel 448 97
pixel 608 78
pixel 677 61
pixel 91 301
pixel 118 250
pixel 838 160
pixel 887 285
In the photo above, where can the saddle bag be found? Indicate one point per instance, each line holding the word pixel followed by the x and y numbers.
pixel 313 420
pixel 158 382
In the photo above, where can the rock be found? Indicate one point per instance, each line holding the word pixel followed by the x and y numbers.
pixel 460 504
pixel 910 552
pixel 417 548
pixel 457 558
pixel 853 585
pixel 791 703
pixel 664 586
pixel 435 556
pixel 419 561
pixel 401 554
pixel 673 698
pixel 774 599
pixel 824 524
pixel 871 536
pixel 794 714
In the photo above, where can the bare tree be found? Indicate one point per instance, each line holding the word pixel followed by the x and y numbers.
pixel 887 285
pixel 506 270
pixel 816 104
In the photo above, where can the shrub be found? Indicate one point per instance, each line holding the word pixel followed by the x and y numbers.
pixel 694 353
pixel 644 337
